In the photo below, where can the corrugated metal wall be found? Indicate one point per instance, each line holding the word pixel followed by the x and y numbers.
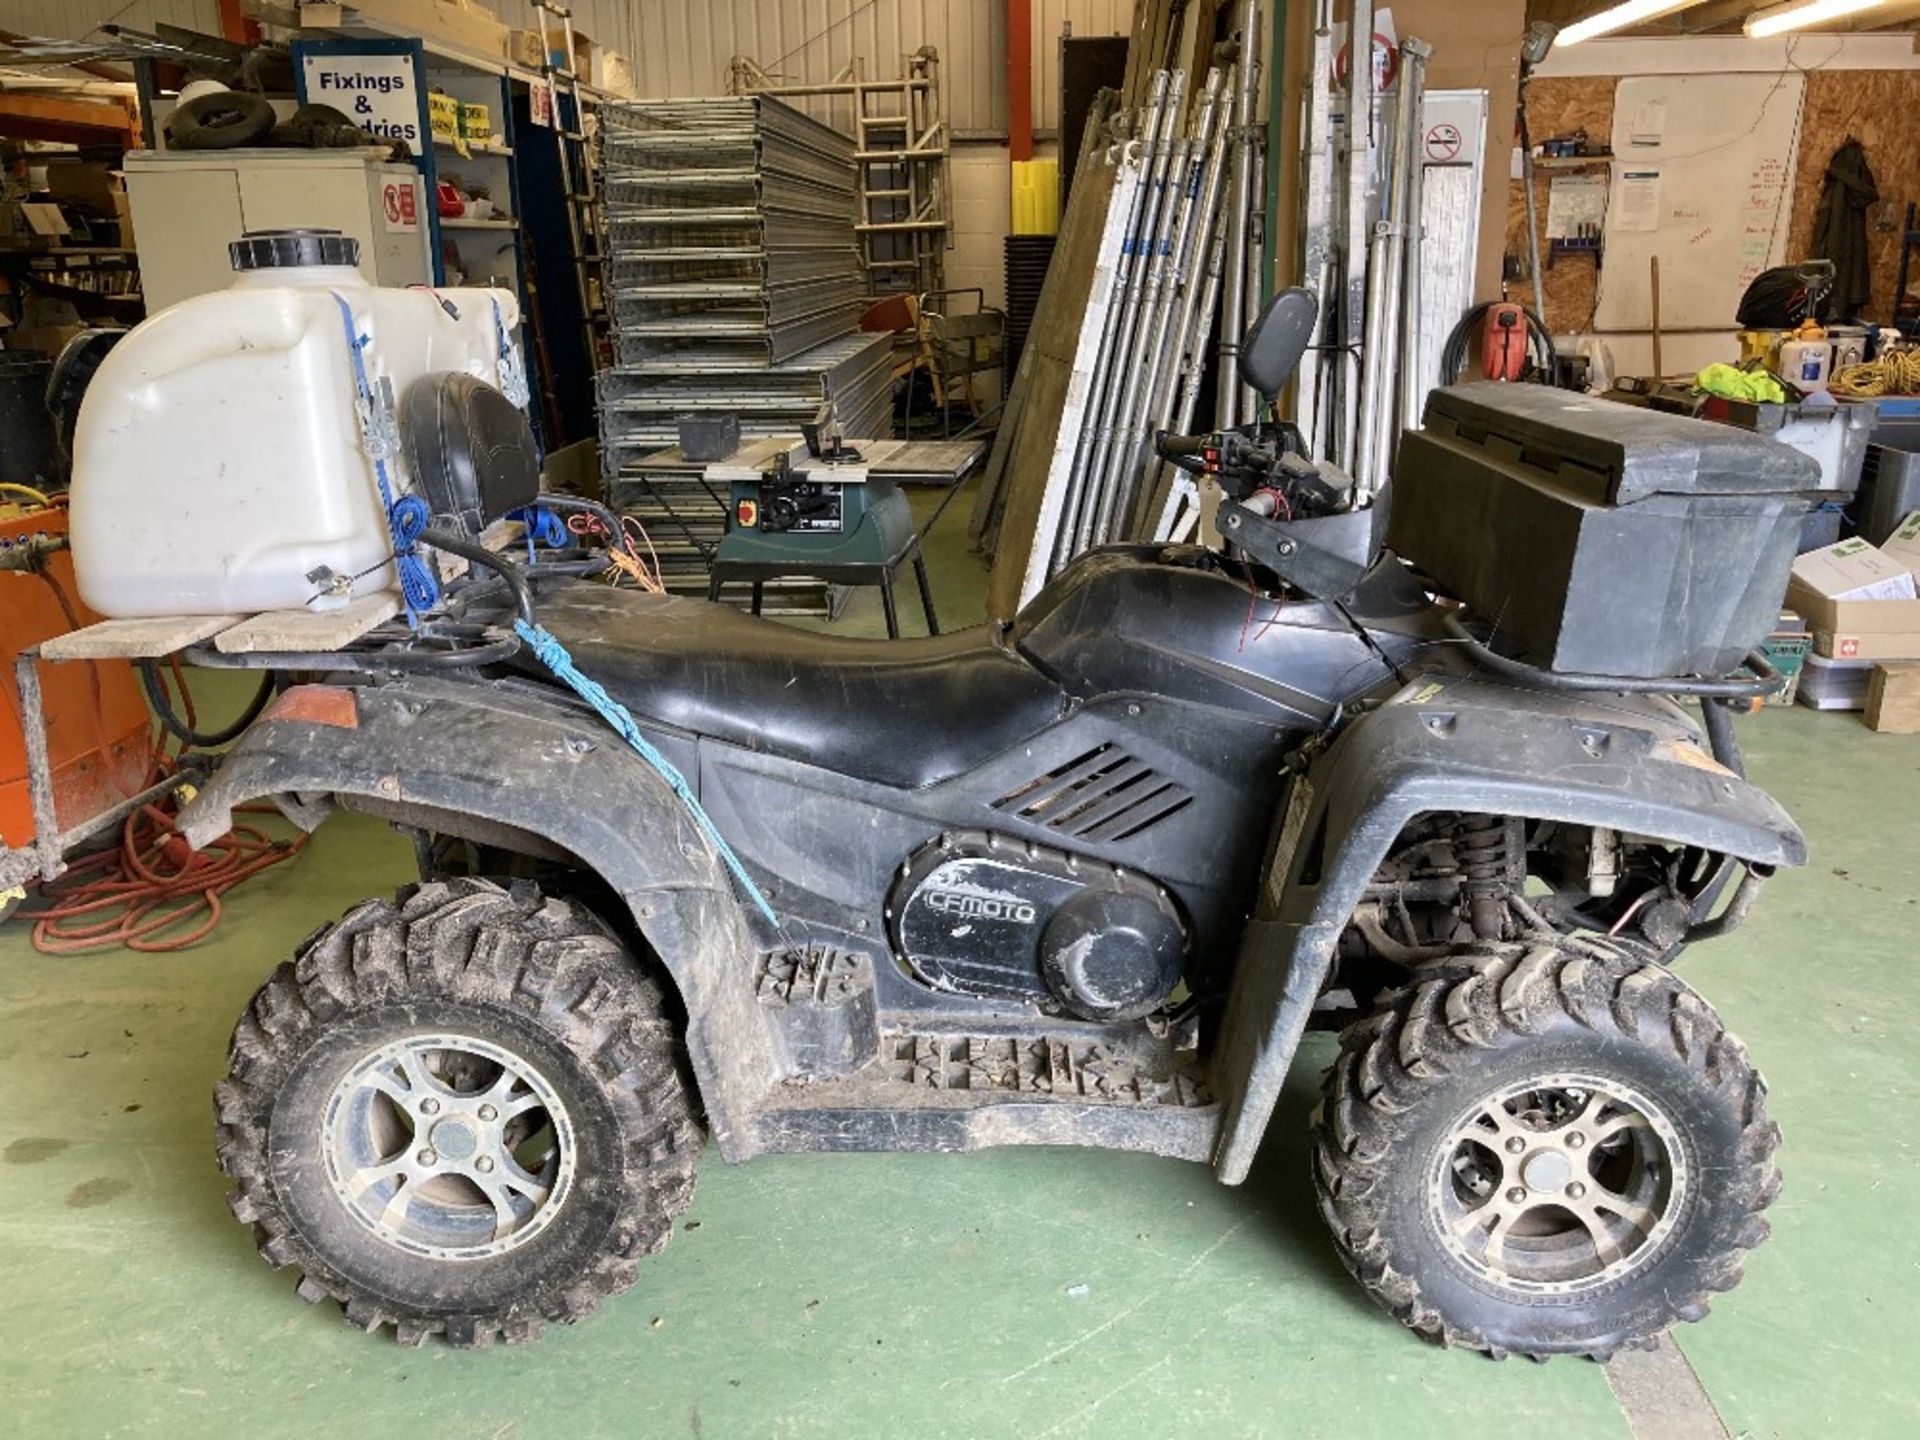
pixel 681 47
pixel 1050 19
pixel 73 19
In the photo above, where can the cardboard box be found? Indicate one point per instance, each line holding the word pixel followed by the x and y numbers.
pixel 1853 589
pixel 523 49
pixel 49 340
pixel 123 214
pixel 1903 545
pixel 1853 570
pixel 457 22
pixel 1867 644
pixel 613 72
pixel 87 184
pixel 1893 700
pixel 44 220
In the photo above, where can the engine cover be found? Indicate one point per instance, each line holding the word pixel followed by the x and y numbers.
pixel 975 913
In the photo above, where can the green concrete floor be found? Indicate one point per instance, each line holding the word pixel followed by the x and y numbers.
pixel 1045 1293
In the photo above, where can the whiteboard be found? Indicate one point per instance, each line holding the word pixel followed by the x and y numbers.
pixel 1702 177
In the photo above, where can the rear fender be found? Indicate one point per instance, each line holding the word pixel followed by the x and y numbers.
pixel 1637 765
pixel 503 759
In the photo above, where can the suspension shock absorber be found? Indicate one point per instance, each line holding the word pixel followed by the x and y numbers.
pixel 1480 842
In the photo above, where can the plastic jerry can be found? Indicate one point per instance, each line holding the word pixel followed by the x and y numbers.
pixel 1806 361
pixel 220 465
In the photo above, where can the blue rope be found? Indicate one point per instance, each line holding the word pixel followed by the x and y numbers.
pixel 407 516
pixel 552 654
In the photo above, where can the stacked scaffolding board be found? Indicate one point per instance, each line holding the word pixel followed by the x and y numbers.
pixel 640 407
pixel 730 225
pixel 902 164
pixel 737 290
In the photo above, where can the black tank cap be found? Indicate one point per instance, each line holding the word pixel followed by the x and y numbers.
pixel 283 249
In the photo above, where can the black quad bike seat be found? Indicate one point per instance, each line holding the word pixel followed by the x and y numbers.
pixel 905 713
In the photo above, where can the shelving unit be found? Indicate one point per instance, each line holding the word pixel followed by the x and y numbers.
pixel 520 170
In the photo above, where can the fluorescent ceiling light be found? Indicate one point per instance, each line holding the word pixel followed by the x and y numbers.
pixel 1797 16
pixel 1619 17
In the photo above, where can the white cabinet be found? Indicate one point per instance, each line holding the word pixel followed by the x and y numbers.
pixel 187 206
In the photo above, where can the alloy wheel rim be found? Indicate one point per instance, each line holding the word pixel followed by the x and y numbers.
pixel 1563 1184
pixel 448 1146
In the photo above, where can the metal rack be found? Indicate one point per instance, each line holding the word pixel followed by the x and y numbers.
pixel 731 230
pixel 640 405
pixel 902 164
pixel 736 290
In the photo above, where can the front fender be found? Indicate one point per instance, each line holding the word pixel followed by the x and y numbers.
pixel 1635 764
pixel 506 754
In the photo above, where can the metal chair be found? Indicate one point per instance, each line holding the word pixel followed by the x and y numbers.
pixel 958 343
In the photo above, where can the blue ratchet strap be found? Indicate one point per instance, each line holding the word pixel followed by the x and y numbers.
pixel 552 654
pixel 408 516
pixel 542 526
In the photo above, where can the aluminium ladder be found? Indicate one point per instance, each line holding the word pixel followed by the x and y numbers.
pixel 586 222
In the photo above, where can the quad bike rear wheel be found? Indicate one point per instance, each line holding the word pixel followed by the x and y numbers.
pixel 461 1114
pixel 1550 1146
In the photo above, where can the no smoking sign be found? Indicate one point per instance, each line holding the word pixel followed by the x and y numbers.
pixel 1443 143
pixel 402 209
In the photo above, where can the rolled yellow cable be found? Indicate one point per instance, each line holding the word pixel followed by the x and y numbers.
pixel 1897 373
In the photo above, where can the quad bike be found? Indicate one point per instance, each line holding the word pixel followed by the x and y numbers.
pixel 1081 879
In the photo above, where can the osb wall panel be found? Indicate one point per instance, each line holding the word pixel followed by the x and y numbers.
pixel 1881 108
pixel 1878 106
pixel 1560 106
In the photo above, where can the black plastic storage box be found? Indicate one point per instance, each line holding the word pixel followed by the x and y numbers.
pixel 1597 537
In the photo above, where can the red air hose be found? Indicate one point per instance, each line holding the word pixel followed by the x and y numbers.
pixel 151 893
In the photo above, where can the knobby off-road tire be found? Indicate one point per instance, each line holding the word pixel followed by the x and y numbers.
pixel 1454 1109
pixel 457 1020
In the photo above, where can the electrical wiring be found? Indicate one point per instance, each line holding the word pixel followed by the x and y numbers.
pixel 622 555
pixel 39 497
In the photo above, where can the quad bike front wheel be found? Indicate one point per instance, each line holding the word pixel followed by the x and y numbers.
pixel 461 1114
pixel 1544 1147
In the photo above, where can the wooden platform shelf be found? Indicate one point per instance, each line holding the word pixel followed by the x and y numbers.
pixel 152 637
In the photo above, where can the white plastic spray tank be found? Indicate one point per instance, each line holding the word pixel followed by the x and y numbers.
pixel 220 464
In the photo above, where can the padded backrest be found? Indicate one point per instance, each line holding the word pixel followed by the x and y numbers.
pixel 472 452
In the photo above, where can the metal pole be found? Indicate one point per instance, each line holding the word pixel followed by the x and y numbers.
pixel 1087 346
pixel 1353 307
pixel 1316 264
pixel 1135 177
pixel 1228 405
pixel 1122 386
pixel 1386 272
pixel 1533 223
pixel 1170 358
pixel 1176 521
pixel 1169 90
pixel 1119 442
pixel 1413 86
